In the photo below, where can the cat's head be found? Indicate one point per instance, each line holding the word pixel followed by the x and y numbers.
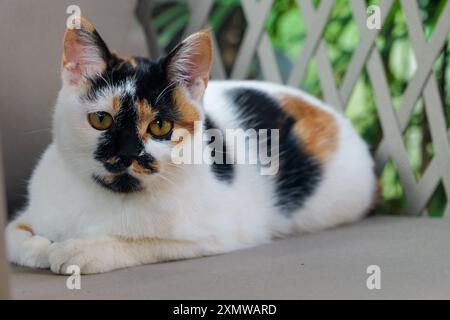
pixel 115 115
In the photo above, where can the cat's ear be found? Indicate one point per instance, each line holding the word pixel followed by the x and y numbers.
pixel 85 53
pixel 190 63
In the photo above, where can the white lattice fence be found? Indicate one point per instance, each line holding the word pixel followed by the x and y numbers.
pixel 366 56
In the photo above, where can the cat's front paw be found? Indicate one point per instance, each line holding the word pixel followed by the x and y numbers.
pixel 89 255
pixel 36 252
pixel 25 248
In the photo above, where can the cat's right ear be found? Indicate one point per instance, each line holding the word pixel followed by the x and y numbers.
pixel 85 54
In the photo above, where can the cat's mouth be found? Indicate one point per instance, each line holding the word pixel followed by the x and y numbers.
pixel 124 174
pixel 119 183
pixel 144 165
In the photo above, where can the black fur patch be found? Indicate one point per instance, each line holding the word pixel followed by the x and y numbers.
pixel 299 173
pixel 121 139
pixel 223 171
pixel 123 183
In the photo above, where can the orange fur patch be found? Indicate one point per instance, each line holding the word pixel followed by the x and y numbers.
pixel 146 115
pixel 189 112
pixel 108 178
pixel 113 160
pixel 86 24
pixel 128 60
pixel 25 227
pixel 316 128
pixel 137 168
pixel 124 60
pixel 116 103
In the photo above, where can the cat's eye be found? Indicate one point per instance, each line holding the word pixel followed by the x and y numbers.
pixel 100 120
pixel 160 128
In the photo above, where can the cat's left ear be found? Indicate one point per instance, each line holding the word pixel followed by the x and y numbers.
pixel 190 63
pixel 85 54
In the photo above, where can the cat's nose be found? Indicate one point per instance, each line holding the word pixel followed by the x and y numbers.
pixel 129 147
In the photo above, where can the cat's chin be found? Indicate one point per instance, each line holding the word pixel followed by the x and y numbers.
pixel 121 183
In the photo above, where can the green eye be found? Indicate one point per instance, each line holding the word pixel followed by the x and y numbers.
pixel 100 120
pixel 160 128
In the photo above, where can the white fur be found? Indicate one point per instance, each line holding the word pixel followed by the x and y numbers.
pixel 184 211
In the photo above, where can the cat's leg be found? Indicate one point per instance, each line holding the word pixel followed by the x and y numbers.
pixel 96 255
pixel 24 247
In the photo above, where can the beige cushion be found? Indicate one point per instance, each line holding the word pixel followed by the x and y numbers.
pixel 412 254
pixel 31 35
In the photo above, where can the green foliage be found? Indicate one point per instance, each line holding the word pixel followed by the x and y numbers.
pixel 287 31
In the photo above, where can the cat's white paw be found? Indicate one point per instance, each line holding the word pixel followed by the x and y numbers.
pixel 26 249
pixel 89 255
pixel 35 252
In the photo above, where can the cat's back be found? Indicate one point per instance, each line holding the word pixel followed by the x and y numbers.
pixel 235 103
pixel 303 121
pixel 325 168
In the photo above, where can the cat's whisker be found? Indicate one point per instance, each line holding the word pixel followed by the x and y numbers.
pixel 183 168
pixel 37 131
pixel 167 179
pixel 165 91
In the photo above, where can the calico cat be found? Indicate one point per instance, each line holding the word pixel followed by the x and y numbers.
pixel 106 194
